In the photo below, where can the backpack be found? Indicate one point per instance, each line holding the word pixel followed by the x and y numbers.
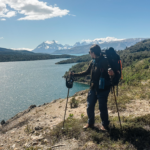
pixel 115 64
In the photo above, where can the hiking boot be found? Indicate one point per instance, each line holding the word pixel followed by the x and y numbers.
pixel 104 128
pixel 88 126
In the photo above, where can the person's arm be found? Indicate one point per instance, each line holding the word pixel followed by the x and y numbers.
pixel 84 73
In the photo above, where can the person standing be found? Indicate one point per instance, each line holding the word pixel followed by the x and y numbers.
pixel 99 86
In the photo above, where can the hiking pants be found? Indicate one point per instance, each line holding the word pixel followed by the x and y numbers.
pixel 91 101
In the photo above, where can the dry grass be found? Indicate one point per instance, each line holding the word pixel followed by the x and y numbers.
pixel 134 135
pixel 28 129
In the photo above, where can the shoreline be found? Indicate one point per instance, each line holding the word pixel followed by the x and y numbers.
pixel 33 60
pixel 21 113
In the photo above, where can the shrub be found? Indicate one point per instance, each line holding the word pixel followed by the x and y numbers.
pixel 82 115
pixel 145 66
pixel 74 103
pixel 28 129
pixel 70 115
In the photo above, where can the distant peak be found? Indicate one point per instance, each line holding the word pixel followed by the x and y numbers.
pixel 51 42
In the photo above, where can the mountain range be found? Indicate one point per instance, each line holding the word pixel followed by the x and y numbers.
pixel 52 47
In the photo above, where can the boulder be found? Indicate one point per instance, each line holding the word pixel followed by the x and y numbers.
pixel 3 122
pixel 32 106
pixel 38 128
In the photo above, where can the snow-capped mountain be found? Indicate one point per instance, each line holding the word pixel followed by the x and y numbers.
pixel 50 47
pixel 100 41
pixel 84 45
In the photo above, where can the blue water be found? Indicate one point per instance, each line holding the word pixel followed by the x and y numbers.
pixel 78 54
pixel 73 54
pixel 32 82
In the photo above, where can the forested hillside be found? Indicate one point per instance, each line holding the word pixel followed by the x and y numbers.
pixel 22 55
pixel 137 52
pixel 77 59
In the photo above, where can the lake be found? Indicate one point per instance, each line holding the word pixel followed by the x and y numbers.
pixel 25 83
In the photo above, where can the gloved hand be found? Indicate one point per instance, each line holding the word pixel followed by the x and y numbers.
pixel 71 73
pixel 111 72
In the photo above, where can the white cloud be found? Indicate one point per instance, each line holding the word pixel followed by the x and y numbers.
pixel 1 38
pixel 102 40
pixel 4 12
pixel 31 9
pixel 28 49
pixel 3 19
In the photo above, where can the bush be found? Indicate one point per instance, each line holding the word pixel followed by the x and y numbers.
pixel 74 103
pixel 145 66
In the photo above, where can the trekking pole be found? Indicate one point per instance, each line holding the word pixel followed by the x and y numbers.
pixel 115 100
pixel 69 84
pixel 65 109
pixel 117 107
pixel 117 90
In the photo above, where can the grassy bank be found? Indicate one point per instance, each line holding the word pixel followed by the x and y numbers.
pixel 135 134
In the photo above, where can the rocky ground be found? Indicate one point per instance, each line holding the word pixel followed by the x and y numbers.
pixel 30 127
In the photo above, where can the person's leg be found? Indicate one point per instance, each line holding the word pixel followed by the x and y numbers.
pixel 102 98
pixel 91 101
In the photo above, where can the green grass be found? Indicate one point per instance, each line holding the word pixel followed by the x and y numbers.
pixel 136 133
pixel 126 95
pixel 137 72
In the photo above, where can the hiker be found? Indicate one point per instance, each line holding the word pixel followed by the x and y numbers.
pixel 98 69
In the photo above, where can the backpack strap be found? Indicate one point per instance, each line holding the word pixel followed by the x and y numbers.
pixel 103 66
pixel 120 63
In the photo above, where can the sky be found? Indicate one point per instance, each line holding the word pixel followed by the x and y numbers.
pixel 24 24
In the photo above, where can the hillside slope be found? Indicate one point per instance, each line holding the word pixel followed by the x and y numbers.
pixel 22 55
pixel 84 58
pixel 41 127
